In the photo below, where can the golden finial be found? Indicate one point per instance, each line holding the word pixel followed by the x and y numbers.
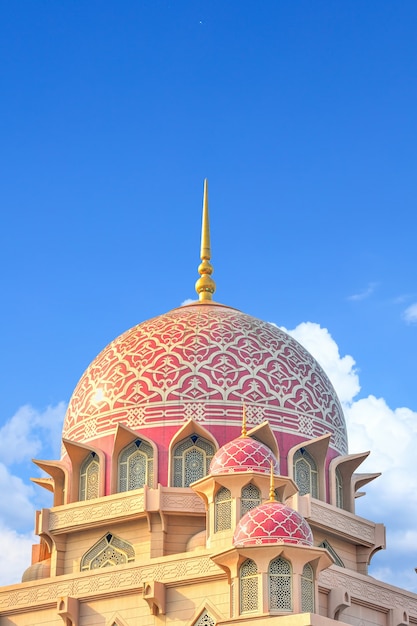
pixel 244 431
pixel 205 285
pixel 272 485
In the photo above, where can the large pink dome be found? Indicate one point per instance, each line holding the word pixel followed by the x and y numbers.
pixel 243 454
pixel 272 522
pixel 203 361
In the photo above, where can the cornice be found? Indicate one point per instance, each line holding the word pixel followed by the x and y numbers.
pixel 120 579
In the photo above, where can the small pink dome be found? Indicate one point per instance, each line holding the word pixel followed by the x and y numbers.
pixel 272 522
pixel 243 454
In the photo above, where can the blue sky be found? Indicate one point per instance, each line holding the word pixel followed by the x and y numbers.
pixel 302 116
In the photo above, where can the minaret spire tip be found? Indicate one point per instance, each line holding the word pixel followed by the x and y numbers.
pixel 205 285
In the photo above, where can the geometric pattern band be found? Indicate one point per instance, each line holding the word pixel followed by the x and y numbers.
pixel 270 523
pixel 204 362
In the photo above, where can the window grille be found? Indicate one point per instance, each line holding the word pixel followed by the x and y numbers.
pixel 136 466
pixel 280 585
pixel 339 489
pixel 205 620
pixel 248 586
pixel 89 477
pixel 305 473
pixel 307 589
pixel 109 550
pixel 191 460
pixel 250 498
pixel 222 510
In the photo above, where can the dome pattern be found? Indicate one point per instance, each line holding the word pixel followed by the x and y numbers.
pixel 243 454
pixel 203 361
pixel 272 522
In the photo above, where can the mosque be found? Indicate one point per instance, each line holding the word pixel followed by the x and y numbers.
pixel 204 480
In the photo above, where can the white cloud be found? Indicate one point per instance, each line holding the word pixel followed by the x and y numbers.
pixel 390 435
pixel 365 293
pixel 26 434
pixel 410 314
pixel 188 301
pixel 16 509
pixel 340 370
pixel 17 555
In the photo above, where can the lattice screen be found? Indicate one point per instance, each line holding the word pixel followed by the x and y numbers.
pixel 250 498
pixel 191 460
pixel 205 620
pixel 305 473
pixel 280 585
pixel 109 550
pixel 307 589
pixel 339 489
pixel 223 510
pixel 136 466
pixel 89 477
pixel 248 586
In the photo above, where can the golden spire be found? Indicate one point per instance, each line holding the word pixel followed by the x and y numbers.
pixel 272 497
pixel 205 285
pixel 244 431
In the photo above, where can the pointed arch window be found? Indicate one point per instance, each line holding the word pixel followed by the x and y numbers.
pixel 338 561
pixel 205 620
pixel 110 550
pixel 222 510
pixel 339 488
pixel 191 460
pixel 89 477
pixel 280 585
pixel 248 577
pixel 307 589
pixel 136 466
pixel 305 473
pixel 250 498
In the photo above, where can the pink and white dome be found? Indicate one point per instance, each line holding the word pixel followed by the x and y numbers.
pixel 243 454
pixel 202 362
pixel 272 522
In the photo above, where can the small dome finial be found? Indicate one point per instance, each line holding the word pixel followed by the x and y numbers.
pixel 244 431
pixel 205 285
pixel 272 497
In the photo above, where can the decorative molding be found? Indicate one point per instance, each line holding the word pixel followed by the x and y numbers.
pixel 361 530
pixel 182 502
pixel 361 588
pixel 118 579
pixel 91 512
pixel 117 507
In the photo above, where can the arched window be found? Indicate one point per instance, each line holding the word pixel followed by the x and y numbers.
pixel 136 466
pixel 205 620
pixel 248 586
pixel 338 561
pixel 307 589
pixel 110 550
pixel 222 510
pixel 89 477
pixel 305 473
pixel 191 460
pixel 339 489
pixel 280 585
pixel 250 498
